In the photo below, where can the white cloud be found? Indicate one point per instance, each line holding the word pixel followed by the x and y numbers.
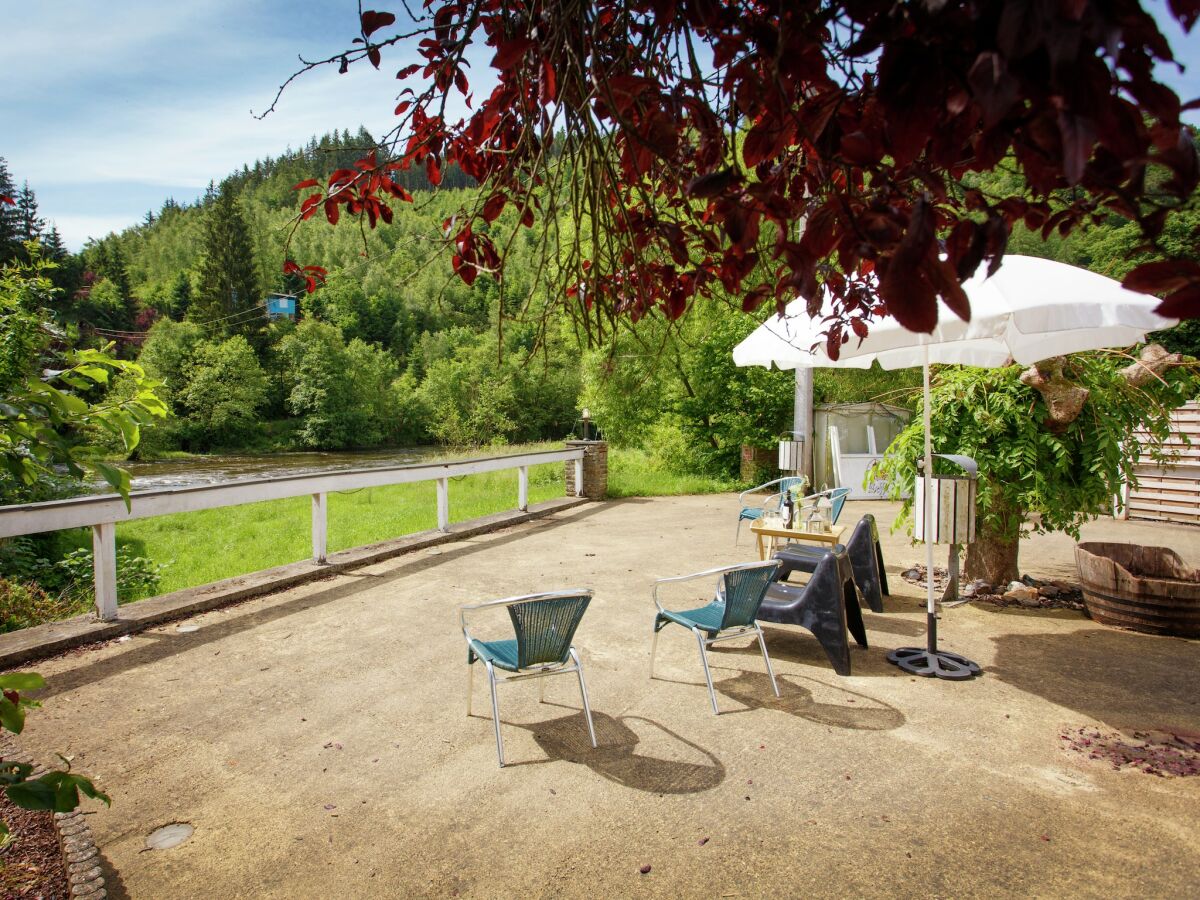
pixel 192 143
pixel 76 229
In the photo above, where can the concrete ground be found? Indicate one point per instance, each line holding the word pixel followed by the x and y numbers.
pixel 317 739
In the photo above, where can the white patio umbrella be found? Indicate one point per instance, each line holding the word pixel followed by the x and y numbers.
pixel 1031 309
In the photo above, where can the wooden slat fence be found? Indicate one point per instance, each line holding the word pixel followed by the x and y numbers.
pixel 1171 492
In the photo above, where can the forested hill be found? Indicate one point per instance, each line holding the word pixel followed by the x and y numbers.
pixel 170 242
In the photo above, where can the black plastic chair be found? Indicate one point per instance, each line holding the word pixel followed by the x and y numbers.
pixel 827 606
pixel 866 559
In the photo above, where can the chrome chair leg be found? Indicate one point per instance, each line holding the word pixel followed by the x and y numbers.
pixel 737 534
pixel 587 709
pixel 470 686
pixel 762 643
pixel 495 712
pixel 712 695
pixel 653 650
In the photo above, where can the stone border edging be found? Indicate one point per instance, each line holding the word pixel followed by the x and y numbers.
pixel 20 647
pixel 76 846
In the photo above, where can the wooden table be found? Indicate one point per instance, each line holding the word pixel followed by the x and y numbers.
pixel 762 530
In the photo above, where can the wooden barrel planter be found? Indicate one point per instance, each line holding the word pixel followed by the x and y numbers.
pixel 1147 589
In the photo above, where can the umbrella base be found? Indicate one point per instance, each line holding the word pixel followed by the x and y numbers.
pixel 934 663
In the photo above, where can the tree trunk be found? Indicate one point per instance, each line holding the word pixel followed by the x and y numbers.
pixel 993 558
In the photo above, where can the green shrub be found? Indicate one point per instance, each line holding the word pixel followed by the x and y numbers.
pixel 23 605
pixel 68 579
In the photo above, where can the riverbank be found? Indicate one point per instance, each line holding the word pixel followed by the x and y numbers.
pixel 200 547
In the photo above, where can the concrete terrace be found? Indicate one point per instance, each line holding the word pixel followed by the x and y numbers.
pixel 317 740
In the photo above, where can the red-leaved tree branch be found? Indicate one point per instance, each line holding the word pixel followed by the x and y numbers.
pixel 688 149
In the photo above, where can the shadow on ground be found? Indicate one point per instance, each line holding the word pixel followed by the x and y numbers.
pixel 617 757
pixel 795 644
pixel 854 710
pixel 1124 679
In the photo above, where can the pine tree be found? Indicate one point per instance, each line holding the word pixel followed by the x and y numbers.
pixel 181 296
pixel 10 244
pixel 114 268
pixel 53 244
pixel 29 225
pixel 228 276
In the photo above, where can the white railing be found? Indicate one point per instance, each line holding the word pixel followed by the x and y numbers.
pixel 102 513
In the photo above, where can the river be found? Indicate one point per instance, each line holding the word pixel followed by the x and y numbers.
pixel 200 470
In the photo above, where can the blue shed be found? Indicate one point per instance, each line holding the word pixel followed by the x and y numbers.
pixel 281 305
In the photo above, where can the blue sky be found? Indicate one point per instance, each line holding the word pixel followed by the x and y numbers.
pixel 111 107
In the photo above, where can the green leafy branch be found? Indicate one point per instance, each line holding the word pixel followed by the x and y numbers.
pixel 56 791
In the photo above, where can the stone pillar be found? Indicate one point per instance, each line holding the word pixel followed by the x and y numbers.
pixel 595 469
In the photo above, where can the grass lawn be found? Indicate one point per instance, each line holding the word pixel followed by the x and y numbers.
pixel 209 545
pixel 632 473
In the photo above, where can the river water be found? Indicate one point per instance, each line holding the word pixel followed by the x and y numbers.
pixel 202 470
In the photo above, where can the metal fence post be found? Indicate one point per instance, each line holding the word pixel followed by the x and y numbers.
pixel 443 504
pixel 579 477
pixel 523 488
pixel 104 566
pixel 319 528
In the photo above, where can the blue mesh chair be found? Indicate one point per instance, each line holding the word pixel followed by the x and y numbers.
pixel 836 498
pixel 772 502
pixel 731 614
pixel 544 625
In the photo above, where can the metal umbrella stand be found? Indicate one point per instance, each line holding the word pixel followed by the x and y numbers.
pixel 945 514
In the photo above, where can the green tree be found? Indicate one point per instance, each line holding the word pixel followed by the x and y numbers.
pixel 228 289
pixel 29 224
pixel 168 353
pixel 340 393
pixel 56 250
pixel 224 390
pixel 180 298
pixel 1036 476
pixel 45 392
pixel 10 244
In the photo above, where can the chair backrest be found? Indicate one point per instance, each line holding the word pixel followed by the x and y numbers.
pixel 837 499
pixel 744 592
pixel 546 626
pixel 791 483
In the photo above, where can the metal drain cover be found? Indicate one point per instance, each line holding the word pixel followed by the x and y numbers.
pixel 169 836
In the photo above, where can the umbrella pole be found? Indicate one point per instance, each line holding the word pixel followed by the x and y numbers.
pixel 929 661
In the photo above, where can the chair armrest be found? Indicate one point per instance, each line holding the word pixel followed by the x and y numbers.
pixel 754 490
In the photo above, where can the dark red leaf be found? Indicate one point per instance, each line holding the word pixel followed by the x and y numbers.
pixel 549 86
pixel 372 21
pixel 306 183
pixel 1186 11
pixel 373 56
pixel 493 207
pixel 1182 304
pixel 1160 277
pixel 332 211
pixel 433 171
pixel 714 183
pixel 509 53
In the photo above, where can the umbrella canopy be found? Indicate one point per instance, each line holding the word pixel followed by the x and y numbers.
pixel 1030 310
